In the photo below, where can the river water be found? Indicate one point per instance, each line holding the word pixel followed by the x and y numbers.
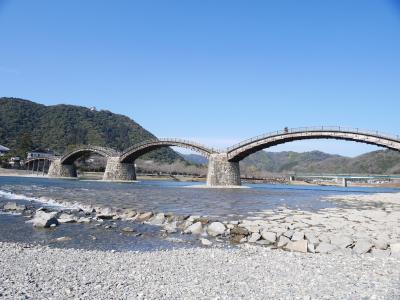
pixel 159 196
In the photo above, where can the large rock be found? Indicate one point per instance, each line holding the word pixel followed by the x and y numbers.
pixel 342 241
pixel 105 213
pixel 202 220
pixel 362 246
pixel 44 219
pixel 196 228
pixel 239 231
pixel 297 246
pixel 255 236
pixel 278 230
pixel 324 247
pixel 14 206
pixel 380 253
pixel 144 216
pixel 171 227
pixel 283 241
pixel 298 236
pixel 215 229
pixel 395 249
pixel 311 238
pixel 238 238
pixel 381 243
pixel 67 218
pixel 289 233
pixel 193 218
pixel 310 247
pixel 129 213
pixel 269 236
pixel 157 220
pixel 252 228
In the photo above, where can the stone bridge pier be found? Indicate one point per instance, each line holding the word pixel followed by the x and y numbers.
pixel 117 171
pixel 58 169
pixel 222 172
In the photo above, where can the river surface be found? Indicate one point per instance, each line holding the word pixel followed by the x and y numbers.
pixel 159 196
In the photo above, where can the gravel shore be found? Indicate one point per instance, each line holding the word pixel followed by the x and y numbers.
pixel 35 272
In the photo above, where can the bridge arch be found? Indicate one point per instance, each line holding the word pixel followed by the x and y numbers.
pixel 132 153
pixel 70 157
pixel 239 151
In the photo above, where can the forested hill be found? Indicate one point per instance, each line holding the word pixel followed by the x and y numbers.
pixel 25 125
pixel 376 162
pixel 263 163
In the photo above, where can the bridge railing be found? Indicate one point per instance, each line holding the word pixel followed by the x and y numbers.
pixel 173 140
pixel 109 151
pixel 314 129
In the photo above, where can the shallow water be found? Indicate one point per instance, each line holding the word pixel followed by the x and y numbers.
pixel 178 197
pixel 162 196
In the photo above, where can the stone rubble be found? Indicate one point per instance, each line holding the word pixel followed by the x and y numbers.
pixel 373 224
pixel 44 219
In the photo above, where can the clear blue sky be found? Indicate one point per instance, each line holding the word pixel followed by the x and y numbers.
pixel 214 71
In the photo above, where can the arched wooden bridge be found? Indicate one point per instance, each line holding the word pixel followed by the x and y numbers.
pixel 223 167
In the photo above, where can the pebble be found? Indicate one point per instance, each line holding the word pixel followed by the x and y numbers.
pixel 128 229
pixel 206 242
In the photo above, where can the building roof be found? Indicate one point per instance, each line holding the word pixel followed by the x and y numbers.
pixel 48 151
pixel 3 148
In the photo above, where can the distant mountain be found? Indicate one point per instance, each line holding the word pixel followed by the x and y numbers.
pixel 377 162
pixel 195 159
pixel 25 125
pixel 263 163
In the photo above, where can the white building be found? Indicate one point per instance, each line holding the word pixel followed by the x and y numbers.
pixel 3 150
pixel 15 161
pixel 40 154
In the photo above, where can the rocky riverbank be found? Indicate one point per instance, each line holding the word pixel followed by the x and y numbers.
pixel 249 272
pixel 368 224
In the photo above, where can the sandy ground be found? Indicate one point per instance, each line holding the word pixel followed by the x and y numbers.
pixel 22 173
